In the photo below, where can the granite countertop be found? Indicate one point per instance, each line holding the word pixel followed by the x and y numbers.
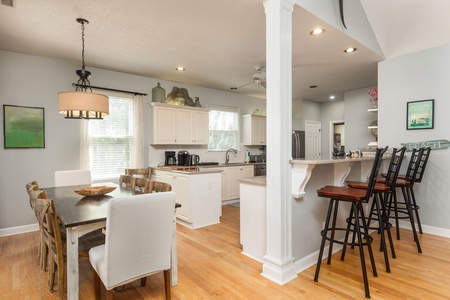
pixel 321 161
pixel 257 180
pixel 189 172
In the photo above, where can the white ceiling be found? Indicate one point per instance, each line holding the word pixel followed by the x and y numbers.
pixel 219 42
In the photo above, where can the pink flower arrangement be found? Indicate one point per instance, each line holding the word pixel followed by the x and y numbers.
pixel 373 95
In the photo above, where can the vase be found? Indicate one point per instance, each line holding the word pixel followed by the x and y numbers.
pixel 197 102
pixel 158 93
pixel 374 104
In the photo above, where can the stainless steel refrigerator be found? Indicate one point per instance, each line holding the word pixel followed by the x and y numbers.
pixel 298 144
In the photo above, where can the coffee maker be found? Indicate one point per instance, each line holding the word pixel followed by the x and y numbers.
pixel 184 158
pixel 170 158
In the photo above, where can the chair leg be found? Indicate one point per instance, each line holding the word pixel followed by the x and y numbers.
pixel 381 227
pixel 167 284
pixel 322 244
pixel 361 250
pixel 97 286
pixel 333 227
pixel 416 209
pixel 385 219
pixel 349 224
pixel 411 219
pixel 61 273
pixel 109 295
pixel 143 281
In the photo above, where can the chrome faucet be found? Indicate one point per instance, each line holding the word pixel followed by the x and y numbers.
pixel 227 157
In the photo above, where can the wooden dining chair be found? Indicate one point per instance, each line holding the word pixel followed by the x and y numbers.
pixel 126 181
pixel 140 172
pixel 56 247
pixel 138 241
pixel 158 186
pixel 36 195
pixel 140 185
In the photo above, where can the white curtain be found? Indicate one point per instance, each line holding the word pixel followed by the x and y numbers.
pixel 138 150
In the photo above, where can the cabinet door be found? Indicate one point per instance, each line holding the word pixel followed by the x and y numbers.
pixel 247 171
pixel 200 128
pixel 262 131
pixel 180 185
pixel 182 191
pixel 164 120
pixel 184 127
pixel 232 185
pixel 255 131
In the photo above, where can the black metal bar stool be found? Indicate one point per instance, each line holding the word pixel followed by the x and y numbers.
pixel 356 197
pixel 419 176
pixel 404 209
pixel 382 192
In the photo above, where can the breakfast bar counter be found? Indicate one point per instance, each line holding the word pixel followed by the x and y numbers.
pixel 302 169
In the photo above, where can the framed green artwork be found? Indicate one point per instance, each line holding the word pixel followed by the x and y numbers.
pixel 23 127
pixel 420 114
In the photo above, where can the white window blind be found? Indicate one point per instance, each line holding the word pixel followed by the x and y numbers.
pixel 223 128
pixel 112 140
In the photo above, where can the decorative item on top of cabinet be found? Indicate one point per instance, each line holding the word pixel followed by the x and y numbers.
pixel 178 125
pixel 177 93
pixel 158 93
pixel 197 102
pixel 254 129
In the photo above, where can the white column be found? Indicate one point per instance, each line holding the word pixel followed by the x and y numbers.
pixel 278 263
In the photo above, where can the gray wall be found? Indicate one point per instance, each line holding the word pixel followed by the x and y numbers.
pixel 330 111
pixel 357 118
pixel 418 76
pixel 27 80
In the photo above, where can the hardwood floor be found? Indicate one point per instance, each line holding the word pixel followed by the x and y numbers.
pixel 212 267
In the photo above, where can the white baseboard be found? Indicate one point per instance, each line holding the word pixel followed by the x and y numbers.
pixel 19 229
pixel 311 259
pixel 427 229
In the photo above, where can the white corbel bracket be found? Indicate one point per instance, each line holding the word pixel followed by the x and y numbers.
pixel 300 176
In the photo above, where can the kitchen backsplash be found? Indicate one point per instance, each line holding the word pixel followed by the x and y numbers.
pixel 156 153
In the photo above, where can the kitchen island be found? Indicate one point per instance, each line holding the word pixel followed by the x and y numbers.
pixel 308 210
pixel 198 192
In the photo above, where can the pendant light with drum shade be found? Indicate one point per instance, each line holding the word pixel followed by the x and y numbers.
pixel 83 103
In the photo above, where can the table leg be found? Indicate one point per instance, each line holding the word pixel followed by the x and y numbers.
pixel 72 263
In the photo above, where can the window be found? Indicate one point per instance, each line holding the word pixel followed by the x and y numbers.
pixel 223 128
pixel 113 144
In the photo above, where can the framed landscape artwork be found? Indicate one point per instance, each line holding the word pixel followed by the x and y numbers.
pixel 420 114
pixel 23 127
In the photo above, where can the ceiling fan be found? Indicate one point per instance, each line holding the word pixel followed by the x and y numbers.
pixel 258 78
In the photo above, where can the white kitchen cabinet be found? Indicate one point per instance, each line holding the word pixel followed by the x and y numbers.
pixel 178 125
pixel 254 129
pixel 230 180
pixel 198 194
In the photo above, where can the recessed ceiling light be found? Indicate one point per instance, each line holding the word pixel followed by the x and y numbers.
pixel 350 50
pixel 317 31
pixel 180 69
pixel 332 97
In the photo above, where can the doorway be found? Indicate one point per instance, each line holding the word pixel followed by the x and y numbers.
pixel 337 137
pixel 313 139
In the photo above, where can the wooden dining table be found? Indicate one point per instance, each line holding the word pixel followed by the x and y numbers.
pixel 80 215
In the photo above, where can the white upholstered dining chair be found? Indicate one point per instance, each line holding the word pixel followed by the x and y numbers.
pixel 72 177
pixel 138 241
